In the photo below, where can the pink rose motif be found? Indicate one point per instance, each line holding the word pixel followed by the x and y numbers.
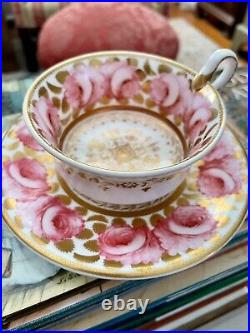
pixel 24 179
pixel 84 86
pixel 223 148
pixel 220 177
pixel 187 227
pixel 122 80
pixel 172 93
pixel 25 137
pixel 50 219
pixel 129 245
pixel 47 118
pixel 197 116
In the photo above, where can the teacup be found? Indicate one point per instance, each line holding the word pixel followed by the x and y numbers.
pixel 125 127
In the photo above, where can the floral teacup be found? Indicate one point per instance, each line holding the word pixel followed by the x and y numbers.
pixel 125 127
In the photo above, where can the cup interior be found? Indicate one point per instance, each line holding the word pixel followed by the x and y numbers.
pixel 123 111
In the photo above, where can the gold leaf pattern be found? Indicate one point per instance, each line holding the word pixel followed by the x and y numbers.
pixel 53 88
pixel 146 87
pixel 113 59
pixel 101 218
pixel 51 172
pixel 177 120
pixel 148 68
pixel 66 245
pixel 138 99
pixel 141 74
pixel 119 222
pixel 164 69
pixel 10 203
pixel 95 63
pixel 141 265
pixel 92 245
pixel 56 102
pixel 88 259
pixel 150 103
pixel 76 113
pixel 223 220
pixel 29 152
pixel 155 218
pixel 82 175
pixel 191 196
pixel 104 100
pixel 42 92
pixel 64 199
pixel 89 108
pixel 65 105
pixel 82 210
pixel 124 101
pixel 168 210
pixel 132 62
pixel 112 263
pixel 54 187
pixel 167 257
pixel 17 155
pixel 215 239
pixel 13 146
pixel 61 76
pixel 182 202
pixel 45 158
pixel 85 234
pixel 18 221
pixel 99 228
pixel 138 222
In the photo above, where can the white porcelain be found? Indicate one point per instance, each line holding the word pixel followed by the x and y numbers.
pixel 51 105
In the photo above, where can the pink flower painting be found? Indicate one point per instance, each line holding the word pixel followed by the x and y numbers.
pixel 122 80
pixel 187 227
pixel 197 116
pixel 47 118
pixel 172 93
pixel 130 245
pixel 84 86
pixel 50 219
pixel 25 137
pixel 24 179
pixel 220 177
pixel 223 148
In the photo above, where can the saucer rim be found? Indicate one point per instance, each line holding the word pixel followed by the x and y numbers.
pixel 125 276
pixel 112 173
pixel 139 272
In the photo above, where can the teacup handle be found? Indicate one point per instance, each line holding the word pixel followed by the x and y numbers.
pixel 228 62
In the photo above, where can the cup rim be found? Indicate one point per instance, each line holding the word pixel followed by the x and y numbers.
pixel 113 173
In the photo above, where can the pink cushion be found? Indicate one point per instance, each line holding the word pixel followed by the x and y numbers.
pixel 87 27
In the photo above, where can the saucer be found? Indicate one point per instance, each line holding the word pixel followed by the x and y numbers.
pixel 46 216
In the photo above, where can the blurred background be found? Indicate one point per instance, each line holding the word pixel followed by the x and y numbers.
pixel 224 23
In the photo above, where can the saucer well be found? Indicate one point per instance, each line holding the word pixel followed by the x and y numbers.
pixel 192 224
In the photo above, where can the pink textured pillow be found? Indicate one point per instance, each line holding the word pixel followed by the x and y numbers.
pixel 88 27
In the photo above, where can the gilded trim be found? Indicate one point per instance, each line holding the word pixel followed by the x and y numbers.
pixel 172 266
pixel 139 212
pixel 122 108
pixel 148 173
